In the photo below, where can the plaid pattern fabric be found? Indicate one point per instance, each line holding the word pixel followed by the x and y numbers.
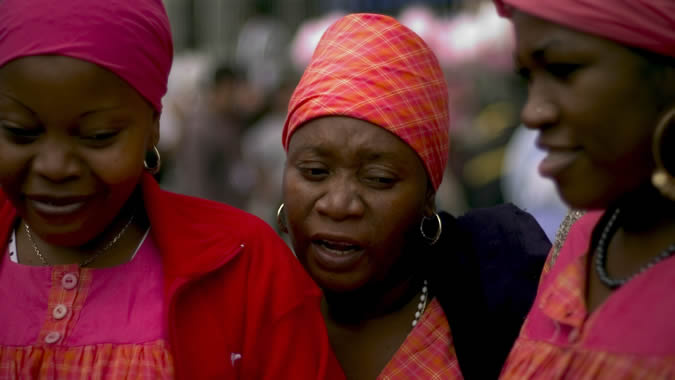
pixel 104 361
pixel 630 336
pixel 427 352
pixel 370 67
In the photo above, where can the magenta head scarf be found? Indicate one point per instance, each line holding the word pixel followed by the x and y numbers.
pixel 372 68
pixel 131 38
pixel 645 24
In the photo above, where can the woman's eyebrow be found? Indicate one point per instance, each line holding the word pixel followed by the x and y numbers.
pixel 17 101
pixel 100 109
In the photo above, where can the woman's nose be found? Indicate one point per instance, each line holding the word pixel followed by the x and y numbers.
pixel 341 200
pixel 56 162
pixel 539 111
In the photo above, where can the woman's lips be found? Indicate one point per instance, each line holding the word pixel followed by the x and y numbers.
pixel 556 161
pixel 57 207
pixel 336 255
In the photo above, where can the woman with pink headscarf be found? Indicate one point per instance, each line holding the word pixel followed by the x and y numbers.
pixel 601 80
pixel 409 292
pixel 102 273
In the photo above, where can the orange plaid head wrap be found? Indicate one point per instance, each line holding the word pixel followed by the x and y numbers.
pixel 370 67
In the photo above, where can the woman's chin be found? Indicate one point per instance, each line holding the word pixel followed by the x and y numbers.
pixel 66 239
pixel 337 283
pixel 580 198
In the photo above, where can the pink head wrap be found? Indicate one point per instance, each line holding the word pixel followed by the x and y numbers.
pixel 370 67
pixel 646 24
pixel 131 38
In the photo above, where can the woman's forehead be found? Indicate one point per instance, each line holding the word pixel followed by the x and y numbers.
pixel 344 132
pixel 358 140
pixel 59 89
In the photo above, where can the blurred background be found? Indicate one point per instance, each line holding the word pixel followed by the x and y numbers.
pixel 238 61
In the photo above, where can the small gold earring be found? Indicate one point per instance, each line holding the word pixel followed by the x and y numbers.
pixel 661 178
pixel 280 221
pixel 158 162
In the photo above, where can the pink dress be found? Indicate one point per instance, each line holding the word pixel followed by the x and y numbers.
pixel 630 336
pixel 67 322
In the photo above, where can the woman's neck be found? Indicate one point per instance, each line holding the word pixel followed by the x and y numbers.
pixel 371 301
pixel 367 328
pixel 645 228
pixel 645 211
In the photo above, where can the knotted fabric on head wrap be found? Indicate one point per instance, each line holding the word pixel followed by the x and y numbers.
pixel 370 67
pixel 645 24
pixel 131 38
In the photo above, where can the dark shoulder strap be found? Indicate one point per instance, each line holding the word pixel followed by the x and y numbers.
pixel 486 268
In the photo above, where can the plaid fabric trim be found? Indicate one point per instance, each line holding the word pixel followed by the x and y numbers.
pixel 531 359
pixel 427 352
pixel 103 361
pixel 564 301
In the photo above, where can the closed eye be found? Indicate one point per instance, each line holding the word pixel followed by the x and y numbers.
pixel 563 71
pixel 19 134
pixel 380 182
pixel 102 136
pixel 100 139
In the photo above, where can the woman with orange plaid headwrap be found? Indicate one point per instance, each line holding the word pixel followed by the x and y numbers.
pixel 602 97
pixel 367 143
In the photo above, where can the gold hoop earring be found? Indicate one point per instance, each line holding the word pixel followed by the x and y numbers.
pixel 439 230
pixel 157 159
pixel 280 221
pixel 663 180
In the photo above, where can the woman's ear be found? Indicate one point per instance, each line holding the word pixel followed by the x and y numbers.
pixel 430 201
pixel 154 137
pixel 669 84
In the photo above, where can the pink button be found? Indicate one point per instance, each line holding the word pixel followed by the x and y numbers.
pixel 69 281
pixel 60 311
pixel 52 337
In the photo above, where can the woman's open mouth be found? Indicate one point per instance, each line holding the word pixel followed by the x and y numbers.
pixel 339 248
pixel 336 255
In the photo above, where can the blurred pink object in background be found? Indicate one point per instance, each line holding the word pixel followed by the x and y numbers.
pixel 308 36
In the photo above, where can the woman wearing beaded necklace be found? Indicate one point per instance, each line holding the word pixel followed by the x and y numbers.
pixel 602 96
pixel 408 292
pixel 102 273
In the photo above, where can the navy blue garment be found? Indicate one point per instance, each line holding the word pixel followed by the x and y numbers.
pixel 485 271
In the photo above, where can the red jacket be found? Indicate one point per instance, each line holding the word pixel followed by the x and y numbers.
pixel 239 305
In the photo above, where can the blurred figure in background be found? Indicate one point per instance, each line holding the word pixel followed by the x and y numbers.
pixel 262 48
pixel 183 92
pixel 265 157
pixel 210 163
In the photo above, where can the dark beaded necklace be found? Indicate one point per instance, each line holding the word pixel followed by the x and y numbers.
pixel 601 256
